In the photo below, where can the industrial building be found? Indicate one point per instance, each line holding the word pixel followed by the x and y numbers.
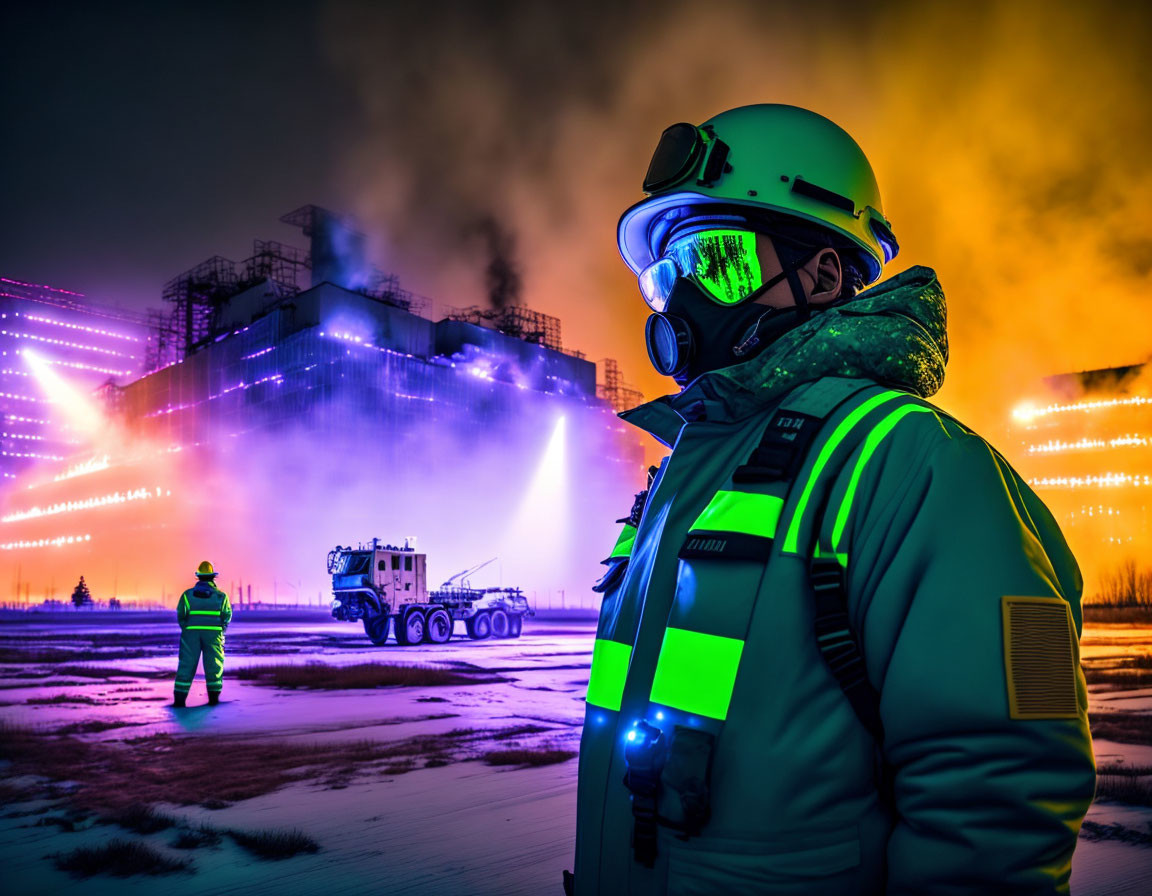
pixel 298 399
pixel 1084 446
pixel 92 345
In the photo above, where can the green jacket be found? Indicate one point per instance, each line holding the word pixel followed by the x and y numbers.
pixel 962 593
pixel 204 607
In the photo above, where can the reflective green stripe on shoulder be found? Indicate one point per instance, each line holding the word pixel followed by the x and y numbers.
pixel 745 512
pixel 609 670
pixel 879 432
pixel 624 543
pixel 791 540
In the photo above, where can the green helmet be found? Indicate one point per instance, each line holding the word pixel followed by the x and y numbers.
pixel 773 159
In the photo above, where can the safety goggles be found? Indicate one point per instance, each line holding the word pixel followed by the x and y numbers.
pixel 722 262
pixel 685 150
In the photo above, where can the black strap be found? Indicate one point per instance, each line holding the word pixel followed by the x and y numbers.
pixel 644 785
pixel 838 644
pixel 841 651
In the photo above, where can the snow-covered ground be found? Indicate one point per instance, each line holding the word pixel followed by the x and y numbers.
pixel 464 827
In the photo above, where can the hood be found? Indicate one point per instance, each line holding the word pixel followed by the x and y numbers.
pixel 894 333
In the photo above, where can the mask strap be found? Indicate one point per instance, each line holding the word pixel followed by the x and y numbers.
pixel 789 274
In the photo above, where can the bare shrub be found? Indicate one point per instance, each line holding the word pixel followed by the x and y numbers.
pixel 141 819
pixel 275 844
pixel 119 858
pixel 528 757
pixel 1126 585
pixel 196 838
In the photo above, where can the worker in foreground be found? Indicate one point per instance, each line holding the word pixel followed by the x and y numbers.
pixel 839 646
pixel 203 613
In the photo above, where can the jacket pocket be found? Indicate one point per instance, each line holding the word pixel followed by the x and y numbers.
pixel 792 864
pixel 617 566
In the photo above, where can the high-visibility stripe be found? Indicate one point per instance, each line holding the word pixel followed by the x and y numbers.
pixel 696 672
pixel 203 628
pixel 744 512
pixel 609 670
pixel 842 559
pixel 838 435
pixel 875 437
pixel 624 543
pixel 205 612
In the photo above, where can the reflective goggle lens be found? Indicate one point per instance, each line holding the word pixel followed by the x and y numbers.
pixel 722 262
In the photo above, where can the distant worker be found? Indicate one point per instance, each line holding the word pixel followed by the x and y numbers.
pixel 838 648
pixel 203 613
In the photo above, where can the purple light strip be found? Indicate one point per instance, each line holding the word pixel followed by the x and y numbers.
pixel 41 286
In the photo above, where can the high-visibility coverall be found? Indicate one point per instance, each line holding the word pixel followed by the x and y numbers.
pixel 204 614
pixel 962 594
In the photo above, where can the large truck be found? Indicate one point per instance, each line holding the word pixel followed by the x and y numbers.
pixel 385 586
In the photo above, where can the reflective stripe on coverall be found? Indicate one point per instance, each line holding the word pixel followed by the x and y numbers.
pixel 204 613
pixel 940 540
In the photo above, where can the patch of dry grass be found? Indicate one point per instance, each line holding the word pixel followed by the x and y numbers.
pixel 185 770
pixel 1120 673
pixel 1130 784
pixel 1109 615
pixel 61 698
pixel 1122 727
pixel 196 838
pixel 50 655
pixel 323 676
pixel 275 844
pixel 528 757
pixel 1091 830
pixel 141 819
pixel 95 726
pixel 119 858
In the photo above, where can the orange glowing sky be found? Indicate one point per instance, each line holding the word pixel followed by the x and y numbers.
pixel 1010 142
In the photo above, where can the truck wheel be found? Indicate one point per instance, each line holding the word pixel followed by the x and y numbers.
pixel 410 627
pixel 479 626
pixel 499 624
pixel 515 625
pixel 439 627
pixel 376 628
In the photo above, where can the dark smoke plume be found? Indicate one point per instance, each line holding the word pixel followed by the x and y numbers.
pixel 502 275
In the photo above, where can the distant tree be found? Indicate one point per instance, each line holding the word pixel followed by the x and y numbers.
pixel 113 603
pixel 81 596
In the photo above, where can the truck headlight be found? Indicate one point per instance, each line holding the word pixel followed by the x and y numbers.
pixel 336 604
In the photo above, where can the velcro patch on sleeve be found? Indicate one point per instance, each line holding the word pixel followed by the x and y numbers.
pixel 1039 658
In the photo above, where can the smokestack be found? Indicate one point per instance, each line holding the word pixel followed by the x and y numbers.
pixel 338 251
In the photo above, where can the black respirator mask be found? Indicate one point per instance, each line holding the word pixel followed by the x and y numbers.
pixel 694 333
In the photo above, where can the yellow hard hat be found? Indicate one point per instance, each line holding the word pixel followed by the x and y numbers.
pixel 205 569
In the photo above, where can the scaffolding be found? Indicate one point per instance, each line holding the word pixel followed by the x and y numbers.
pixel 614 390
pixel 163 343
pixel 272 260
pixel 514 320
pixel 196 297
pixel 385 287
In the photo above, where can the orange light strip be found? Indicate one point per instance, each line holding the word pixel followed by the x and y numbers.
pixel 1027 413
pixel 59 541
pixel 1056 445
pixel 140 494
pixel 1108 480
